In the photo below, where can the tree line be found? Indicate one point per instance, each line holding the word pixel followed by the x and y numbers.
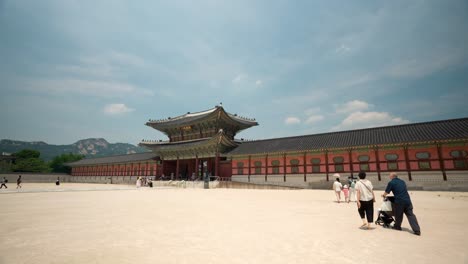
pixel 28 160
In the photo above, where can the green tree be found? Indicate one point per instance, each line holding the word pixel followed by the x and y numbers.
pixel 30 165
pixel 58 164
pixel 27 154
pixel 27 160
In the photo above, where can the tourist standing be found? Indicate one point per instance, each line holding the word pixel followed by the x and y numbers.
pixel 402 203
pixel 138 182
pixel 337 186
pixel 352 191
pixel 365 200
pixel 346 193
pixel 4 181
pixel 18 182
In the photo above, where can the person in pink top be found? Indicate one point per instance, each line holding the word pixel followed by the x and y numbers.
pixel 346 193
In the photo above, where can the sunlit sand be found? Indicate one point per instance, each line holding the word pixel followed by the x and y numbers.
pixel 92 223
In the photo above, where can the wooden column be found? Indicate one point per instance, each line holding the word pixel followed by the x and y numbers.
pixel 351 165
pixel 305 167
pixel 326 164
pixel 217 164
pixel 196 167
pixel 441 161
pixel 162 167
pixel 249 168
pixel 177 169
pixel 266 167
pixel 377 162
pixel 284 167
pixel 408 165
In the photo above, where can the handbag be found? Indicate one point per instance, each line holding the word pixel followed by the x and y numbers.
pixel 386 206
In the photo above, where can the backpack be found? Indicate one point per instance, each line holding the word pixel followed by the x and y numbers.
pixel 6 180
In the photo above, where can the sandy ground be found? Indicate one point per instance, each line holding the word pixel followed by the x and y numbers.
pixel 91 223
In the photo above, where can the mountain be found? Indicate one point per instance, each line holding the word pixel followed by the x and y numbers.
pixel 91 147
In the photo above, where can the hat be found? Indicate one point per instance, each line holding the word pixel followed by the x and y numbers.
pixel 336 175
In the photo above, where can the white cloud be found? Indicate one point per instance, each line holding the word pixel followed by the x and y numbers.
pixel 239 78
pixel 292 120
pixel 357 80
pixel 258 83
pixel 425 65
pixel 360 119
pixel 85 87
pixel 352 106
pixel 312 111
pixel 313 119
pixel 342 49
pixel 115 109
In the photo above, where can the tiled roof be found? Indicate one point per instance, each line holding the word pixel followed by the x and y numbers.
pixel 417 132
pixel 115 159
pixel 190 118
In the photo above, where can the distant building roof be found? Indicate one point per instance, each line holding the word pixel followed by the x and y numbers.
pixel 115 159
pixel 418 132
pixel 190 118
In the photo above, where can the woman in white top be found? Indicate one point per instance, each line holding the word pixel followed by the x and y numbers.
pixel 138 182
pixel 365 200
pixel 337 186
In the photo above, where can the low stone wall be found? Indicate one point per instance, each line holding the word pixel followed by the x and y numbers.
pixel 421 180
pixel 433 181
pixel 35 177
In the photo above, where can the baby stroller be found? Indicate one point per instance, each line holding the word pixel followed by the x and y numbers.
pixel 385 217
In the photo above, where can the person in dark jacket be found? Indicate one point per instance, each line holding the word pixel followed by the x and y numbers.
pixel 4 181
pixel 403 204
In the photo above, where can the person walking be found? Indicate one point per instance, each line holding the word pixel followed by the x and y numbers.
pixel 337 186
pixel 4 181
pixel 18 182
pixel 138 182
pixel 403 204
pixel 352 191
pixel 365 200
pixel 346 193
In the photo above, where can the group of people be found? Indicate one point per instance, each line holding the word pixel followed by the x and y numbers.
pixel 348 189
pixel 143 181
pixel 365 199
pixel 18 182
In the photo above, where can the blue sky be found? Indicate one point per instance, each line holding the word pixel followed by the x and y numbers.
pixel 78 69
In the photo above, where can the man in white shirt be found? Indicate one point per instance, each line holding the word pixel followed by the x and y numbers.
pixel 337 186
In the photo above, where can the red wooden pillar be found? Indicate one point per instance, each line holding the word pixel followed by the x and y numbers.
pixel 284 167
pixel 305 166
pixel 441 161
pixel 196 167
pixel 377 162
pixel 266 167
pixel 249 167
pixel 327 170
pixel 350 154
pixel 162 167
pixel 408 165
pixel 217 164
pixel 177 169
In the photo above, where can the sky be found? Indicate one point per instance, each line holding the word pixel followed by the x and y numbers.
pixel 71 70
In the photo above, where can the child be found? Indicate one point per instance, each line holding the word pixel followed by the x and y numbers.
pixel 346 193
